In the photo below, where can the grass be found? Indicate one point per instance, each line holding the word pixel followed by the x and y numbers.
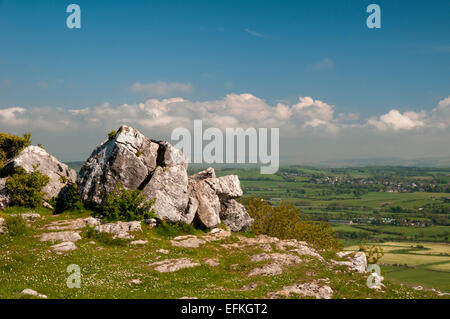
pixel 107 269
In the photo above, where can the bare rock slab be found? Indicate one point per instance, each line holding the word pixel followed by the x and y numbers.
pixel 172 265
pixel 63 236
pixel 31 292
pixel 64 247
pixel 305 289
pixel 120 230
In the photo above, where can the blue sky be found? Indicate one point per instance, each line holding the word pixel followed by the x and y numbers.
pixel 203 50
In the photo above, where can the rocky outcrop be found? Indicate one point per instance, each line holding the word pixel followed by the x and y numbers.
pixel 216 202
pixel 129 158
pixel 355 261
pixel 160 171
pixel 122 230
pixel 154 167
pixel 35 157
pixel 171 265
pixel 234 215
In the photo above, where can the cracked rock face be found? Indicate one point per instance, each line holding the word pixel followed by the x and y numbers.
pixel 129 158
pixel 216 200
pixel 154 167
pixel 60 174
pixel 160 171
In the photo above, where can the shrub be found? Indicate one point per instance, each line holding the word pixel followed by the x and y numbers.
pixel 105 238
pixel 125 205
pixel 112 135
pixel 69 199
pixel 16 225
pixel 169 230
pixel 286 222
pixel 11 146
pixel 25 189
pixel 373 253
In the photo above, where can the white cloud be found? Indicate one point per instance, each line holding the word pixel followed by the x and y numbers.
pixel 161 88
pixel 325 64
pixel 254 33
pixel 398 121
pixel 439 117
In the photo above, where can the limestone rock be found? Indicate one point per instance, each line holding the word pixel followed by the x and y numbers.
pixel 171 265
pixel 128 158
pixel 234 215
pixel 212 262
pixel 169 186
pixel 216 200
pixel 31 292
pixel 208 212
pixel 356 261
pixel 60 174
pixel 226 187
pixel 305 289
pixel 72 224
pixel 138 242
pixel 64 247
pixel 187 241
pixel 63 236
pixel 120 230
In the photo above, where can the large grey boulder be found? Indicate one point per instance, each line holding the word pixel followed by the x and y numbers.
pixel 35 157
pixel 155 167
pixel 234 215
pixel 129 158
pixel 216 200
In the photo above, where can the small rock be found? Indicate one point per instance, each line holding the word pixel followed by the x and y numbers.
pixel 64 247
pixel 305 289
pixel 136 281
pixel 63 236
pixel 120 229
pixel 266 270
pixel 31 292
pixel 139 242
pixel 171 265
pixel 163 251
pixel 188 241
pixel 212 262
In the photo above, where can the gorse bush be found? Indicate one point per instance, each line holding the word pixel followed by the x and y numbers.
pixel 26 189
pixel 286 222
pixel 125 205
pixel 112 135
pixel 69 199
pixel 11 146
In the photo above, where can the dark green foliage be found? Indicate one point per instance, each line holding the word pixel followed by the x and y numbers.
pixel 125 205
pixel 25 189
pixel 11 146
pixel 16 225
pixel 105 238
pixel 286 222
pixel 69 199
pixel 169 230
pixel 112 135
